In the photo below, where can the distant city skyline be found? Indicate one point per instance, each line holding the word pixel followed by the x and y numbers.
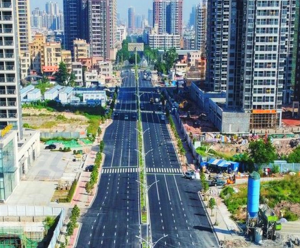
pixel 123 6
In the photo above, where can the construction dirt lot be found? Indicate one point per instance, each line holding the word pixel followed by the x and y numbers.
pixel 47 121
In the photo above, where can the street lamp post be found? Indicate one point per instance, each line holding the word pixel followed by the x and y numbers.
pixel 152 244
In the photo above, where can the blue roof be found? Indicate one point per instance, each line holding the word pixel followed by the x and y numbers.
pixel 211 160
pixel 67 90
pixel 55 88
pixel 34 91
pixel 26 89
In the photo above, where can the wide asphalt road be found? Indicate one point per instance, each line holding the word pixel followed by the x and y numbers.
pixel 113 220
pixel 175 208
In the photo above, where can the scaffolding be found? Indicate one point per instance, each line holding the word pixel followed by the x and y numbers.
pixel 17 237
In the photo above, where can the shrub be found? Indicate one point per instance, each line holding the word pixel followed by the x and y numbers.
pixel 290 216
pixel 72 191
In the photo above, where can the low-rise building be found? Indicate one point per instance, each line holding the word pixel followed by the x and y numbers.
pixel 91 96
pixel 34 95
pixel 16 158
pixel 164 41
pixel 81 49
pixel 78 73
pixel 91 79
pixel 66 57
pixel 24 91
pixel 105 69
pixel 52 94
pixel 64 96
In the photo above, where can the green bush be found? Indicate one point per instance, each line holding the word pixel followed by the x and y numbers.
pixel 290 216
pixel 72 191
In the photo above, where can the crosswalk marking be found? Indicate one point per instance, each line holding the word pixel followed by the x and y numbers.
pixel 136 170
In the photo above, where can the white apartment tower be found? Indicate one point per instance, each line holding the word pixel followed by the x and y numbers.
pixel 10 110
pixel 249 54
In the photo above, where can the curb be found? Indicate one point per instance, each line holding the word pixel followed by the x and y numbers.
pixel 209 220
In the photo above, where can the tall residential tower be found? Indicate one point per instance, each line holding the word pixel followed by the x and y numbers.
pixel 10 108
pixel 249 54
pixel 167 15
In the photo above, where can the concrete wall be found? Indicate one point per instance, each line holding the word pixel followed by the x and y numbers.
pixel 235 122
pixel 29 151
pixel 202 98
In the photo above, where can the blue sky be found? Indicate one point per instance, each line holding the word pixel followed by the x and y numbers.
pixel 141 6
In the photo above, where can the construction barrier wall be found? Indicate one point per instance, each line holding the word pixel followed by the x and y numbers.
pixel 57 230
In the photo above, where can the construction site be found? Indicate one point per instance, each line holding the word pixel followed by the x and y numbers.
pixel 29 226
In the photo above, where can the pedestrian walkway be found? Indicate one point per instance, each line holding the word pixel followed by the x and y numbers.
pixel 164 170
pixel 120 170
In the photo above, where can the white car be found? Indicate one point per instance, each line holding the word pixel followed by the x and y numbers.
pixel 162 117
pixel 126 117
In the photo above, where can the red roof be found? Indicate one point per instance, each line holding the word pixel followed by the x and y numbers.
pixel 53 68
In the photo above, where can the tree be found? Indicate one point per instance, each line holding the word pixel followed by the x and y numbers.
pixel 262 152
pixel 170 57
pixel 62 75
pixel 212 204
pixel 294 156
pixel 75 211
pixel 88 187
pixel 72 79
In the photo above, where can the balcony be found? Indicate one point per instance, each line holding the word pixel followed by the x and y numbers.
pixel 5 5
pixel 6 18
pixel 12 103
pixel 12 115
pixel 11 92
pixel 3 115
pixel 2 104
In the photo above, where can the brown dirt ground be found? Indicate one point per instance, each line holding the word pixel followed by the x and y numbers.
pixel 45 120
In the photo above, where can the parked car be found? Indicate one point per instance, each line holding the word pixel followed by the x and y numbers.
pixel 162 117
pixel 89 168
pixel 51 147
pixel 142 106
pixel 190 175
pixel 126 117
pixel 216 182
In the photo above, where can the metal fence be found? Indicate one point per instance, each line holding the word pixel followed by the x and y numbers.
pixel 8 210
pixel 65 135
pixel 284 167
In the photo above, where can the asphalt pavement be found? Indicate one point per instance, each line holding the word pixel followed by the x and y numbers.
pixel 113 220
pixel 177 216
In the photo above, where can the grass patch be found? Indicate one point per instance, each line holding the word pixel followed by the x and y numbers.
pixel 271 193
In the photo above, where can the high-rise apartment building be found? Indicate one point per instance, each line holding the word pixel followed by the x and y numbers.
pixel 192 19
pixel 200 26
pixel 131 20
pixel 92 20
pixel 217 44
pixel 24 32
pixel 10 110
pixel 249 54
pixel 167 15
pixel 150 17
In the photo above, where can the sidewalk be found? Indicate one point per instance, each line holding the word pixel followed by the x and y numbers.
pixel 81 198
pixel 189 158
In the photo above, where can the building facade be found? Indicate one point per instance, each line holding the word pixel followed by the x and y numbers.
pixel 10 110
pixel 131 20
pixel 200 26
pixel 81 49
pixel 249 54
pixel 167 14
pixel 164 41
pixel 92 20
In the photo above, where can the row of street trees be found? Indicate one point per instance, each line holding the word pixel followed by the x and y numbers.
pixel 162 62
